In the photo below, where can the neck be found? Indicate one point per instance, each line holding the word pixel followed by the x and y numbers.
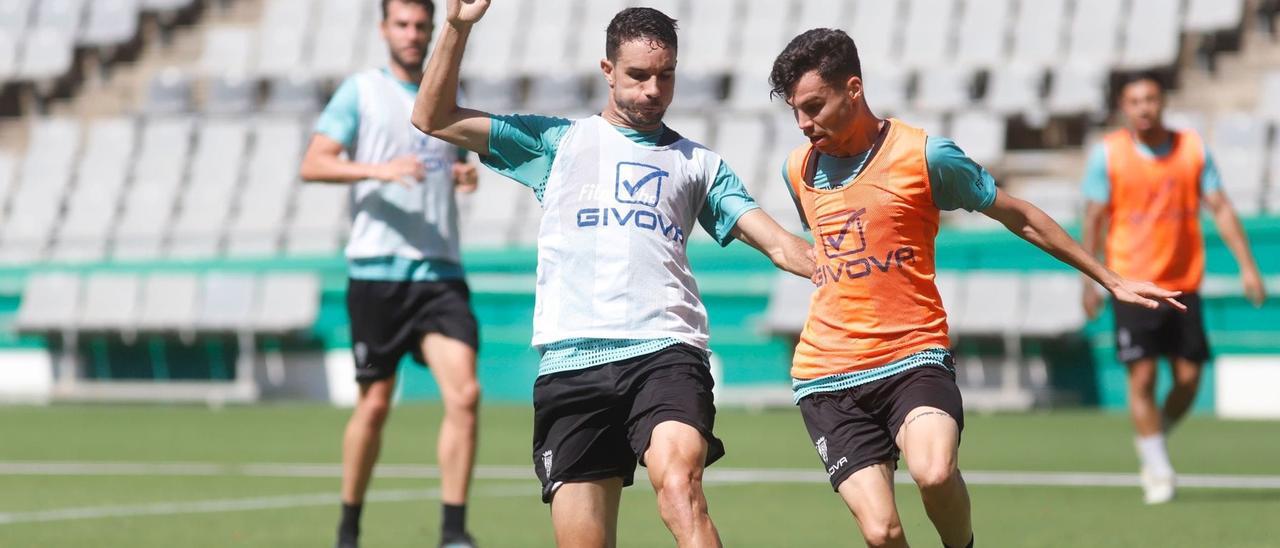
pixel 400 72
pixel 862 136
pixel 615 117
pixel 1153 137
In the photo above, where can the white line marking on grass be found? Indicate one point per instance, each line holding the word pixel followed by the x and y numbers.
pixel 241 504
pixel 714 475
pixel 1028 479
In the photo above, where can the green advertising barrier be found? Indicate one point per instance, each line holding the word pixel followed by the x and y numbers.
pixel 735 283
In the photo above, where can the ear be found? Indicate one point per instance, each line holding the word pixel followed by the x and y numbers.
pixel 606 66
pixel 853 87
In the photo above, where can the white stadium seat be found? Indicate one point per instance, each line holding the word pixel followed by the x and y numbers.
pixel 1039 32
pixel 1152 34
pixel 1213 15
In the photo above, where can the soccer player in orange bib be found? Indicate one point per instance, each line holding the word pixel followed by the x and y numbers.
pixel 1145 185
pixel 872 373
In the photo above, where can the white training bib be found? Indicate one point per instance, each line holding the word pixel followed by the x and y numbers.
pixel 388 219
pixel 611 247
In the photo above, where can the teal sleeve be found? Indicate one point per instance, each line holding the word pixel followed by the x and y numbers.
pixel 1097 184
pixel 727 201
pixel 463 155
pixel 1210 180
pixel 340 119
pixel 523 147
pixel 955 179
pixel 791 191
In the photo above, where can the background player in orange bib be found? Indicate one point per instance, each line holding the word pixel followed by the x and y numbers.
pixel 1145 185
pixel 872 373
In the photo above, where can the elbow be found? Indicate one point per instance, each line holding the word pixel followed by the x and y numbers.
pixel 309 172
pixel 426 122
pixel 422 122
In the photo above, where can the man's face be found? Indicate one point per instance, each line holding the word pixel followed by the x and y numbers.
pixel 642 80
pixel 407 30
pixel 1142 103
pixel 825 113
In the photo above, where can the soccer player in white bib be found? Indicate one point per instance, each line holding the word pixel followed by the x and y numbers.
pixel 618 318
pixel 406 292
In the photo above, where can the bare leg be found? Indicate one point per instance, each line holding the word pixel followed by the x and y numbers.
pixel 869 496
pixel 585 514
pixel 1142 401
pixel 1156 471
pixel 1186 382
pixel 453 363
pixel 930 440
pixel 363 438
pixel 675 460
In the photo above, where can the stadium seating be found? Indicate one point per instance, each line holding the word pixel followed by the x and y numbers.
pixel 1239 146
pixel 40 41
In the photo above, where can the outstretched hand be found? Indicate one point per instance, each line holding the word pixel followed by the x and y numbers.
pixel 466 12
pixel 1146 295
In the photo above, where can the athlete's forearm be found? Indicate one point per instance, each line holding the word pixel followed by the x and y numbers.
pixel 786 250
pixel 436 107
pixel 793 254
pixel 1091 229
pixel 330 169
pixel 1232 233
pixel 1036 227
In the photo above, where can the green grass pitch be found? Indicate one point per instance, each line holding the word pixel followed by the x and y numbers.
pixel 141 510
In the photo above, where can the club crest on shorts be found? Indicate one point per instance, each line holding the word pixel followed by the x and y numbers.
pixel 822 448
pixel 546 462
pixel 639 184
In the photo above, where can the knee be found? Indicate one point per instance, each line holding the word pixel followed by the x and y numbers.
pixel 463 399
pixel 1187 378
pixel 934 475
pixel 677 489
pixel 888 533
pixel 1142 387
pixel 374 412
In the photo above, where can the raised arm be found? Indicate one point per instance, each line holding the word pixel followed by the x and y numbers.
pixel 436 111
pixel 788 251
pixel 1033 225
pixel 1224 216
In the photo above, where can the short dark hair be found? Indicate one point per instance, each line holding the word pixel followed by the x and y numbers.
pixel 1142 76
pixel 831 52
pixel 1121 82
pixel 639 24
pixel 429 4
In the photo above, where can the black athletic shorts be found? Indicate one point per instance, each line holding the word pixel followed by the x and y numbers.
pixel 595 423
pixel 857 427
pixel 1144 333
pixel 389 319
